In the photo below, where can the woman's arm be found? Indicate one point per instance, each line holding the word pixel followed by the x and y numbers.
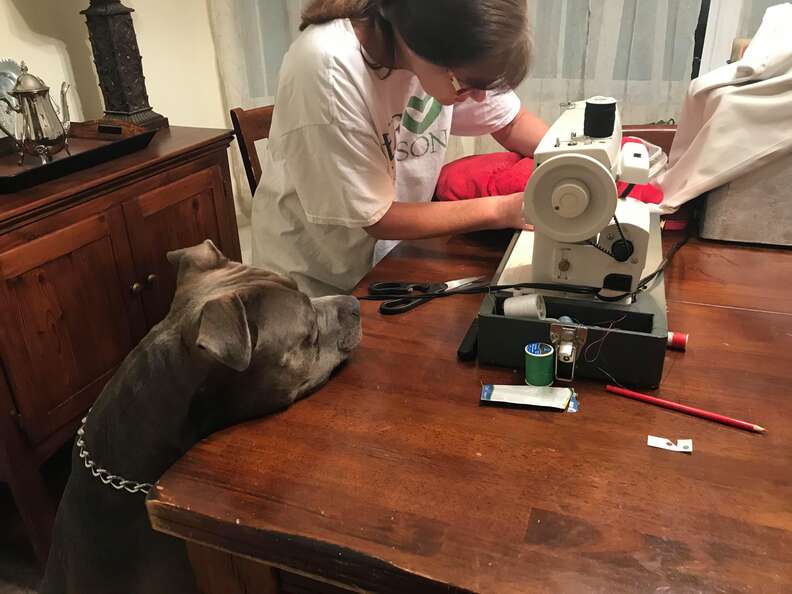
pixel 406 220
pixel 523 134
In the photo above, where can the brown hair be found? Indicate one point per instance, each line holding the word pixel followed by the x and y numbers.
pixel 489 40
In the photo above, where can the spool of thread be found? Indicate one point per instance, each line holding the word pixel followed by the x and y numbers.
pixel 539 364
pixel 600 118
pixel 677 341
pixel 525 306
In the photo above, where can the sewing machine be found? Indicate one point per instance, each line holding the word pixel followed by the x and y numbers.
pixel 585 236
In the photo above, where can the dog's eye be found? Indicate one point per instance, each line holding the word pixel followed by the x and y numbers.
pixel 311 340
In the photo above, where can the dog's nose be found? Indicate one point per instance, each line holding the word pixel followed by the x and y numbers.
pixel 354 307
pixel 349 320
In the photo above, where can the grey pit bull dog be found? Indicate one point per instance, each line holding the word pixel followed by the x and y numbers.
pixel 238 343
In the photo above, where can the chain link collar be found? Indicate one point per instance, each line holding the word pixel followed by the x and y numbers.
pixel 115 481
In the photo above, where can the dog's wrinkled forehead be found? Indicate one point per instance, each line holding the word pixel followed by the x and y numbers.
pixel 225 308
pixel 204 264
pixel 204 256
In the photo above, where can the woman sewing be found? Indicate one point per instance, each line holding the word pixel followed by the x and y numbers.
pixel 367 98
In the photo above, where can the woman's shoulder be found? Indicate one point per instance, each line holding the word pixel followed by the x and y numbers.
pixel 322 68
pixel 331 44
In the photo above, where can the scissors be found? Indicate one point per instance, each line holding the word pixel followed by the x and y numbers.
pixel 411 295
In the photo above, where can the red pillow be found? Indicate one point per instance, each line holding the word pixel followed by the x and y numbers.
pixel 497 174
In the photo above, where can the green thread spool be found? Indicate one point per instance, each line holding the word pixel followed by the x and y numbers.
pixel 539 368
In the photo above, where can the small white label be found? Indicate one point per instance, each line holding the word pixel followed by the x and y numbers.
pixel 546 397
pixel 682 445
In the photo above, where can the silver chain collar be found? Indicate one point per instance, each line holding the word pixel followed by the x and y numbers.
pixel 115 481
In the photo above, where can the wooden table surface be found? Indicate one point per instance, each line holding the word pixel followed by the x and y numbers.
pixel 393 479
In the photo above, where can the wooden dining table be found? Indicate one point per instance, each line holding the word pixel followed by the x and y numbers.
pixel 393 479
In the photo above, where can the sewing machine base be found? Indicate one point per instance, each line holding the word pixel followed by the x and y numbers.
pixel 626 343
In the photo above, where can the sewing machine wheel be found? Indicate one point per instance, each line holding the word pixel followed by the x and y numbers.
pixel 570 198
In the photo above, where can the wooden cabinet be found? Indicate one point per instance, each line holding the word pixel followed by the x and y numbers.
pixel 177 214
pixel 83 276
pixel 67 319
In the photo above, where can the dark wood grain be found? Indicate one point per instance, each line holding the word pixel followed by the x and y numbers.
pixel 83 276
pixel 732 275
pixel 251 125
pixel 219 572
pixel 393 479
pixel 174 215
pixel 20 469
pixel 169 146
pixel 66 321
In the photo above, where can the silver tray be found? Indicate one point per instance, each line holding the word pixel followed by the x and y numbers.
pixel 9 72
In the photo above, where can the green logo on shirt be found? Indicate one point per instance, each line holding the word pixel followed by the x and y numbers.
pixel 429 107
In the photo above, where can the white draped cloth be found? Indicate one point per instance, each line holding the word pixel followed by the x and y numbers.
pixel 735 118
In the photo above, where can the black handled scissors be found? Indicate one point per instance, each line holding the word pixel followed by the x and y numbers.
pixel 411 295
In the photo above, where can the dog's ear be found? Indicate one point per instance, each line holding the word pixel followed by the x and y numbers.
pixel 204 256
pixel 224 332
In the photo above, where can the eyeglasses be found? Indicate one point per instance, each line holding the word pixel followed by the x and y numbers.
pixel 458 88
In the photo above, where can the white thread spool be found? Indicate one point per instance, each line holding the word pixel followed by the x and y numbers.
pixel 531 307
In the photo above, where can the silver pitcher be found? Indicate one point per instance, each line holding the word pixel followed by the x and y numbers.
pixel 42 133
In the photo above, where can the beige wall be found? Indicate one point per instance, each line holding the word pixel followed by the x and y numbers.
pixel 175 41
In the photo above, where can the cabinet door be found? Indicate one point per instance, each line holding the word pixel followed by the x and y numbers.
pixel 177 215
pixel 67 317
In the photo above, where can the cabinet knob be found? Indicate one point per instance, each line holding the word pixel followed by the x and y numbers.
pixel 151 279
pixel 136 288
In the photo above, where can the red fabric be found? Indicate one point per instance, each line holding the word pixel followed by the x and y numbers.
pixel 471 177
pixel 497 174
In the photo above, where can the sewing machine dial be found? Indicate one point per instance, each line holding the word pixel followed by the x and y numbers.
pixel 570 198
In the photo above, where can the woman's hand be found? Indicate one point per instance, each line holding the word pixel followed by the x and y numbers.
pixel 511 212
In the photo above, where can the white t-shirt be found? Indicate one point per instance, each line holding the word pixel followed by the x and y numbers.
pixel 344 145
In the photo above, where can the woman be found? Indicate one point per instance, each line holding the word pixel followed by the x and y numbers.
pixel 367 98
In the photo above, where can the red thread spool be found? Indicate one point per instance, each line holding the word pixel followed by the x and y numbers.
pixel 677 341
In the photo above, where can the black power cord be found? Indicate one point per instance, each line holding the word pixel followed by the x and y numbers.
pixel 478 289
pixel 577 289
pixel 645 281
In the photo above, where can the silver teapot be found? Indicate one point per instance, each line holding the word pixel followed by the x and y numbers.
pixel 42 133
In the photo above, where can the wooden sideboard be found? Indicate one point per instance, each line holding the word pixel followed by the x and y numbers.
pixel 83 276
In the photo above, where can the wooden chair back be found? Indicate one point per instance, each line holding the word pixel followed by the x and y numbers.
pixel 660 134
pixel 251 125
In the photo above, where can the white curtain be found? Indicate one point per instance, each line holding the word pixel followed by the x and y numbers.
pixel 751 13
pixel 730 19
pixel 639 51
pixel 251 37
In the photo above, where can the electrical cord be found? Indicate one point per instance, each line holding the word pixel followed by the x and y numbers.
pixel 479 289
pixel 645 281
pixel 576 289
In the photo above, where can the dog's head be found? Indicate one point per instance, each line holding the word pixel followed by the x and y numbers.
pixel 278 343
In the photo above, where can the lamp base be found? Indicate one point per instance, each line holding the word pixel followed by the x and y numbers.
pixel 148 118
pixel 119 65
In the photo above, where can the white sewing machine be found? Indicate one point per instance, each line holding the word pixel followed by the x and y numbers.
pixel 584 233
pixel 586 236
